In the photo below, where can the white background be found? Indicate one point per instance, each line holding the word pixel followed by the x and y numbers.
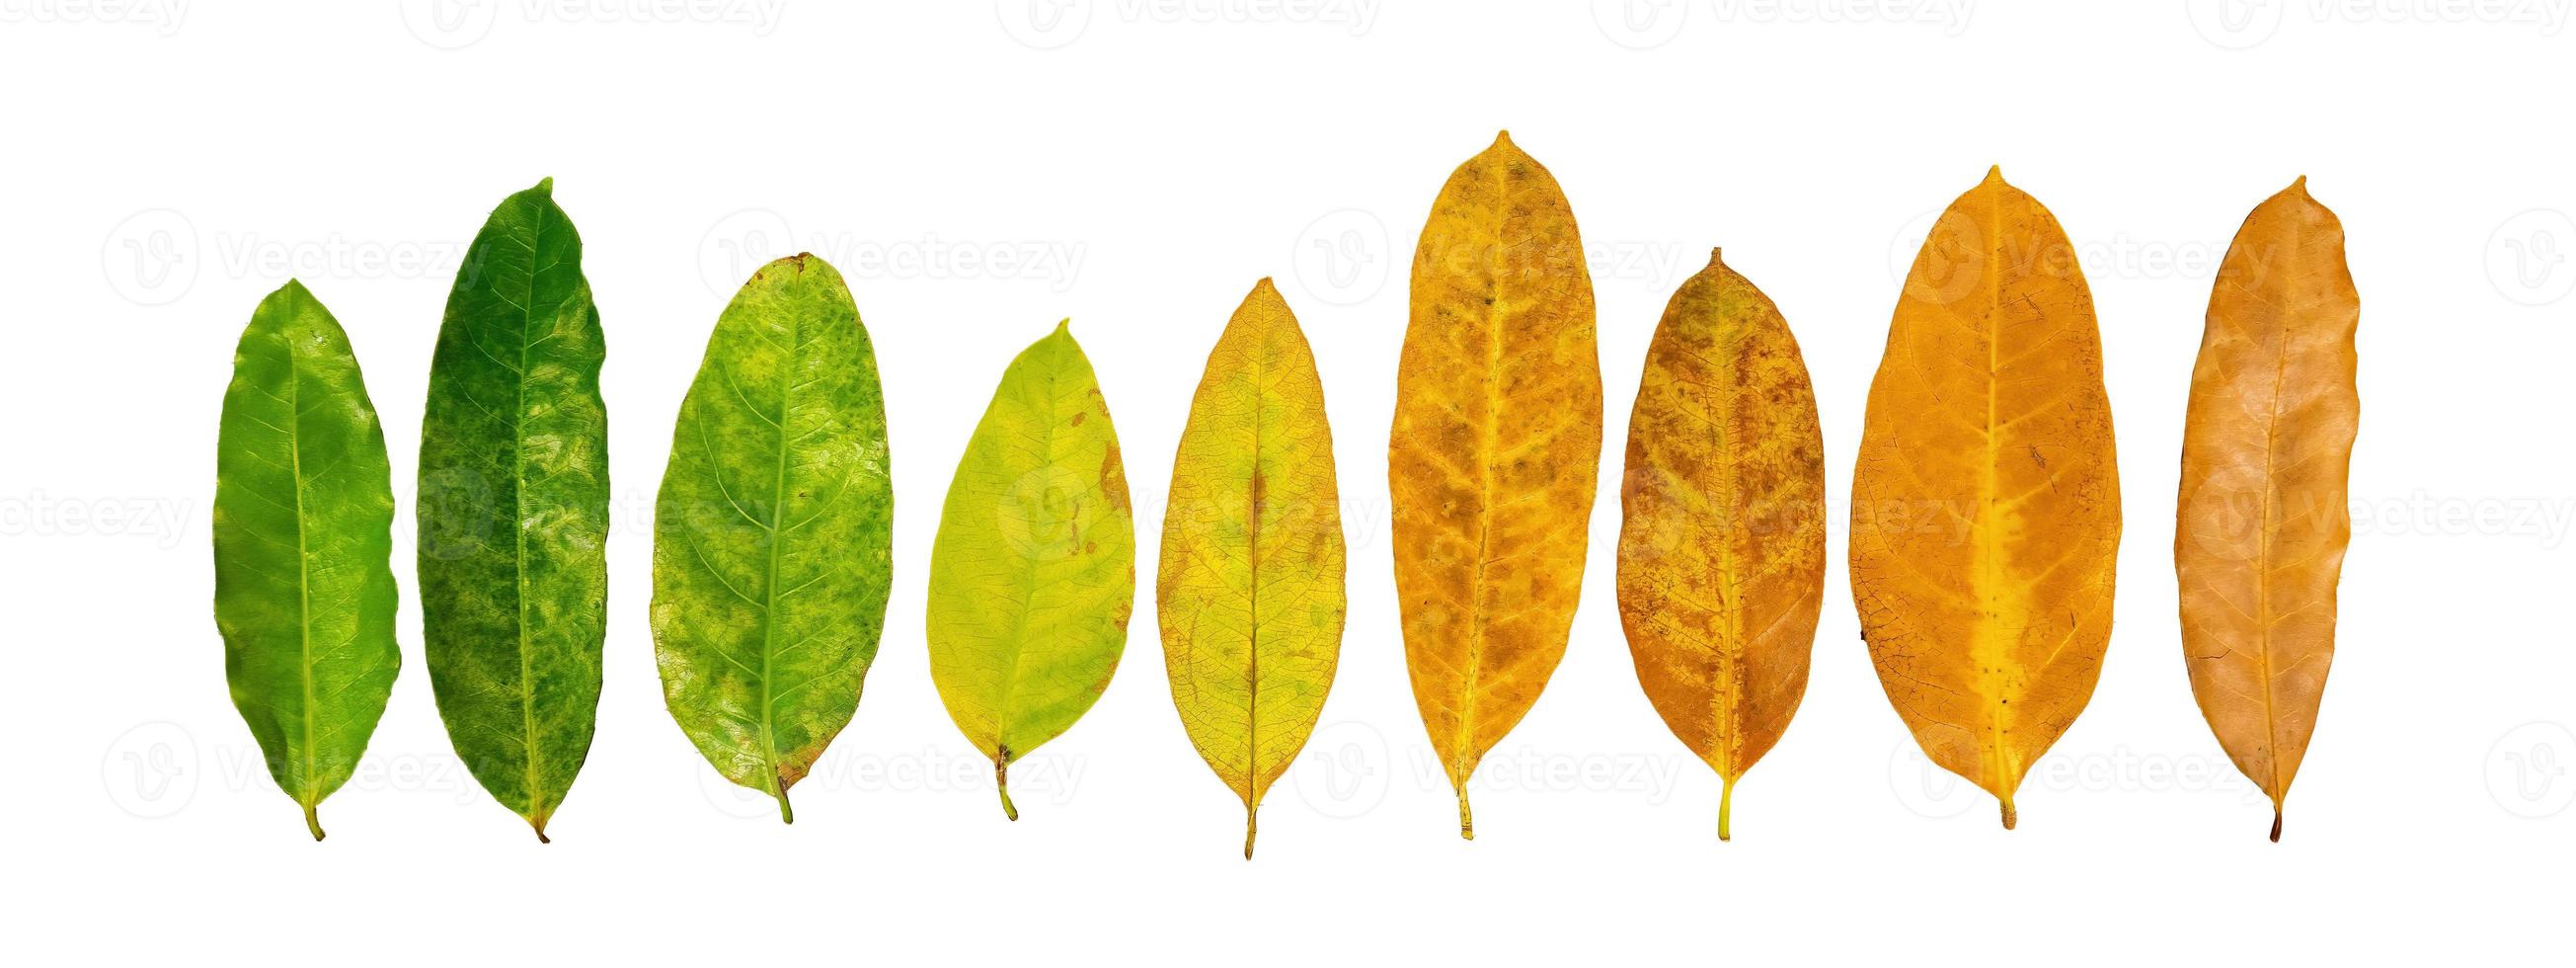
pixel 979 170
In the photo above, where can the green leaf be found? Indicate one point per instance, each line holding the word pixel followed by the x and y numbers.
pixel 514 508
pixel 773 538
pixel 304 513
pixel 1034 570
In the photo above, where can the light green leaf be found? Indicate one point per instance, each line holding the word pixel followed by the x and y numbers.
pixel 1034 570
pixel 772 541
pixel 514 508
pixel 303 522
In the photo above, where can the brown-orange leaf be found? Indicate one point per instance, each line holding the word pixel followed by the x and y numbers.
pixel 1986 505
pixel 2259 541
pixel 1722 541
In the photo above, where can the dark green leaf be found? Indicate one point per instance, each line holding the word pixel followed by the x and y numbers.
pixel 514 508
pixel 304 512
pixel 772 537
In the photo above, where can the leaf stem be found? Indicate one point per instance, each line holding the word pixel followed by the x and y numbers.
pixel 1251 825
pixel 312 818
pixel 1725 806
pixel 1466 821
pixel 1002 782
pixel 786 812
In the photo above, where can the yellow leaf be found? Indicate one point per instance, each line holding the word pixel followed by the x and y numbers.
pixel 1250 592
pixel 2265 453
pixel 1496 445
pixel 1986 506
pixel 1722 542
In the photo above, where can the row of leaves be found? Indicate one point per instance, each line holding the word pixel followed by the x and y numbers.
pixel 1984 529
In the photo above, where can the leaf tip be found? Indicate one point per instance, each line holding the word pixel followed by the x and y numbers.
pixel 1995 174
pixel 1503 138
pixel 545 186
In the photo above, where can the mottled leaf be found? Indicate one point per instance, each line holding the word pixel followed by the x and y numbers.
pixel 773 537
pixel 1722 539
pixel 1494 454
pixel 1986 506
pixel 1034 569
pixel 1250 592
pixel 303 522
pixel 514 508
pixel 2266 454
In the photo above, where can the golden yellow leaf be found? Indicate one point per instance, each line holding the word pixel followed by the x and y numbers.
pixel 1496 445
pixel 2265 453
pixel 1986 505
pixel 1250 592
pixel 1722 542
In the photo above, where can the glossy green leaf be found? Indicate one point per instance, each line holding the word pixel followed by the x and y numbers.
pixel 773 537
pixel 514 508
pixel 1034 569
pixel 303 522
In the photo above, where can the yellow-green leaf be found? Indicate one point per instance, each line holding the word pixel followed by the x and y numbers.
pixel 1034 570
pixel 1250 591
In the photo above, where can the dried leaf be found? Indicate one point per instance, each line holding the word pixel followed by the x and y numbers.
pixel 303 521
pixel 773 535
pixel 1986 506
pixel 1033 573
pixel 514 508
pixel 1494 454
pixel 2265 457
pixel 1250 592
pixel 1722 543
